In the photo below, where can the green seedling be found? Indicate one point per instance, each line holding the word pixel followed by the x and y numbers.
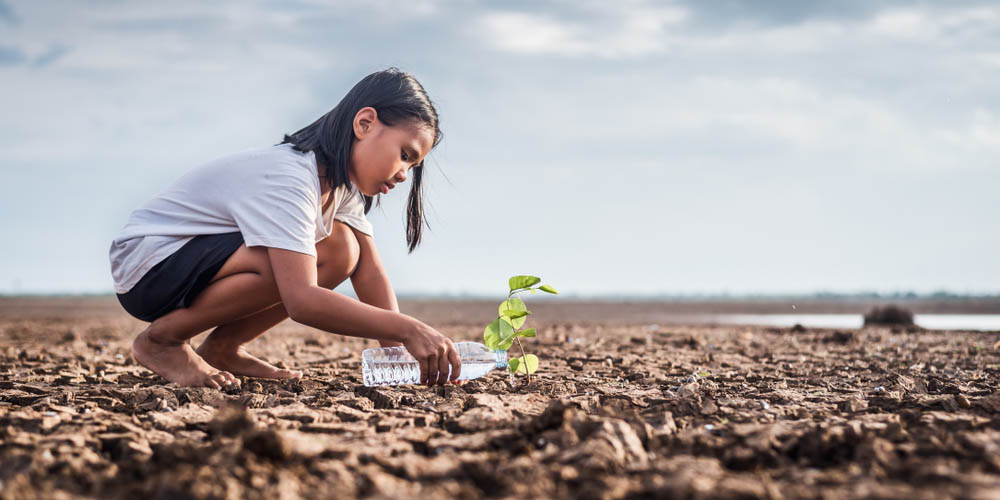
pixel 503 332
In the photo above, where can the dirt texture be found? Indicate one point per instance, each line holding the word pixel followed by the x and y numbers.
pixel 618 410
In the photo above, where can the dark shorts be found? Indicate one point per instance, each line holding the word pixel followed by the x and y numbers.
pixel 175 281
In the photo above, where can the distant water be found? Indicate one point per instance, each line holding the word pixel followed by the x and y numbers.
pixel 981 322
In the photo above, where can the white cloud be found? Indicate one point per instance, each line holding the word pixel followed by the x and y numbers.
pixel 614 31
pixel 934 23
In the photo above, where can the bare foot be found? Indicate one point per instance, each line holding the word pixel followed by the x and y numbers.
pixel 178 363
pixel 240 362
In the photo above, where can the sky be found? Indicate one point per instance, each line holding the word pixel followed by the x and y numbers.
pixel 626 147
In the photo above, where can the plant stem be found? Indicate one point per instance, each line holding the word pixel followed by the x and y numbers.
pixel 524 356
pixel 524 359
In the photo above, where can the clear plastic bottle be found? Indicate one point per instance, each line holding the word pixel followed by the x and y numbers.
pixel 395 366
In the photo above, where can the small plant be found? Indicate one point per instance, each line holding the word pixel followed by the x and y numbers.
pixel 503 332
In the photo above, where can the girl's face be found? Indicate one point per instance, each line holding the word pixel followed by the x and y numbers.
pixel 382 155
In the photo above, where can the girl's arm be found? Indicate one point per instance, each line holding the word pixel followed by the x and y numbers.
pixel 310 304
pixel 370 281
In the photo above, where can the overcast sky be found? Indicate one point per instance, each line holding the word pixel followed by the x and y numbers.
pixel 608 147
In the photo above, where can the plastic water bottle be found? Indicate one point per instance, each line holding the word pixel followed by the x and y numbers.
pixel 395 366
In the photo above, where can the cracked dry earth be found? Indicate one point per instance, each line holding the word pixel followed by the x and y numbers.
pixel 617 411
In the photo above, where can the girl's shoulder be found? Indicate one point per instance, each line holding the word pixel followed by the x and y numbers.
pixel 259 169
pixel 281 158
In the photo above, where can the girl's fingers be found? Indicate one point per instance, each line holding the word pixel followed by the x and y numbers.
pixel 432 369
pixel 424 370
pixel 456 363
pixel 443 362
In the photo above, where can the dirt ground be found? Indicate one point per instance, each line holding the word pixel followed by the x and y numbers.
pixel 621 408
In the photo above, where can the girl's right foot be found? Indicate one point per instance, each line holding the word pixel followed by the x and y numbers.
pixel 178 363
pixel 237 360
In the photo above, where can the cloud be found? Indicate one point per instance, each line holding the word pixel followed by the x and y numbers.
pixel 50 56
pixel 610 33
pixel 931 24
pixel 11 56
pixel 7 13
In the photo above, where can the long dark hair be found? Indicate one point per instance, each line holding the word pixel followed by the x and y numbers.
pixel 396 96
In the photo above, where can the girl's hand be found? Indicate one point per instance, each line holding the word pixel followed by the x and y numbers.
pixel 435 353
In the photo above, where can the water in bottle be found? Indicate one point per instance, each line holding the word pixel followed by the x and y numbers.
pixel 395 366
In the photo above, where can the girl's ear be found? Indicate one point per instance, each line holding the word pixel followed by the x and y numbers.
pixel 364 121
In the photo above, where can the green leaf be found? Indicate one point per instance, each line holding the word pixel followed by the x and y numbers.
pixel 513 305
pixel 527 332
pixel 547 288
pixel 516 314
pixel 519 282
pixel 513 364
pixel 527 364
pixel 534 291
pixel 497 332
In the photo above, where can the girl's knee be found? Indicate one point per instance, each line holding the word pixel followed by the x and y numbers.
pixel 338 254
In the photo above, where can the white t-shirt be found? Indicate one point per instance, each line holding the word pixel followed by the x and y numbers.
pixel 271 195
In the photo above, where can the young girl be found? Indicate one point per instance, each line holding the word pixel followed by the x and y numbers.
pixel 245 241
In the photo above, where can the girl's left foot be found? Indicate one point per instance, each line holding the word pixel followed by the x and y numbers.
pixel 240 362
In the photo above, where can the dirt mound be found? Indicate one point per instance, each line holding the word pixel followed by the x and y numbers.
pixel 889 315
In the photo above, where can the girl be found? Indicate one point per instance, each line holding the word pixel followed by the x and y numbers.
pixel 245 241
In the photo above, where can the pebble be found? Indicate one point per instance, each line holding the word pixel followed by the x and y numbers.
pixel 963 402
pixel 879 390
pixel 764 405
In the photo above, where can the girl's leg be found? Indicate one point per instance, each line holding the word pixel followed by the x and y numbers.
pixel 337 258
pixel 244 286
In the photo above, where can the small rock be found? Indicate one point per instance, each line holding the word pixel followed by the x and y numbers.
pixel 269 444
pixel 990 403
pixel 709 407
pixel 576 365
pixel 962 401
pixel 71 335
pixel 764 405
pixel 853 405
pixel 840 337
pixel 688 390
pixel 567 473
